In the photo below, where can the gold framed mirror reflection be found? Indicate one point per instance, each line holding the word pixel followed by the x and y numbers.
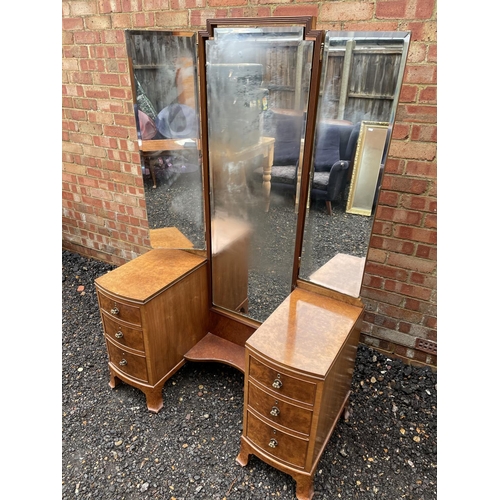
pixel 367 168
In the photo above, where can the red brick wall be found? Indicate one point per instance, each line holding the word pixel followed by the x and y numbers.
pixel 104 211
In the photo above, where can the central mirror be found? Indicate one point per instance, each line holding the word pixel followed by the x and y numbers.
pixel 257 85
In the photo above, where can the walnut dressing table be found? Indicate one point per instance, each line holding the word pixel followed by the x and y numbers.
pixel 180 302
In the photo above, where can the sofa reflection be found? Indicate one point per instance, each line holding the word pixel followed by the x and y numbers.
pixel 334 153
pixel 335 148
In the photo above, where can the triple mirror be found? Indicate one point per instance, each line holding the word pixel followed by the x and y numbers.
pixel 270 119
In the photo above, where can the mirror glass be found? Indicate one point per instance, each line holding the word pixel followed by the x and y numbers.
pixel 361 80
pixel 257 93
pixel 163 68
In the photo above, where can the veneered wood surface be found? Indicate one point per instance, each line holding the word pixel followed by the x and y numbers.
pixel 304 488
pixel 312 329
pixel 309 343
pixel 236 330
pixel 129 313
pixel 293 388
pixel 175 321
pixel 142 278
pixel 289 416
pixel 135 364
pixel 230 244
pixel 123 334
pixel 213 348
pixel 335 392
pixel 162 299
pixel 168 237
pixel 289 449
pixel 343 273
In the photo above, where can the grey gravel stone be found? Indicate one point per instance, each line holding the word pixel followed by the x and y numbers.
pixel 376 464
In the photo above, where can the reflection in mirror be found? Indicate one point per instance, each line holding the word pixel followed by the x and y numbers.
pixel 164 81
pixel 361 80
pixel 367 167
pixel 257 93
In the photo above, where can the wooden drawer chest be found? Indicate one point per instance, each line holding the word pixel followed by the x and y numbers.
pixel 299 366
pixel 153 310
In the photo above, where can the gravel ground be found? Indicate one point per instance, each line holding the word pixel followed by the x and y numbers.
pixel 114 448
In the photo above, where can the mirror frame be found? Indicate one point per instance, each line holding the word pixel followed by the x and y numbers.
pixel 310 34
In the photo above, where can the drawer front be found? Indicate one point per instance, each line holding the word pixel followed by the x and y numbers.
pixel 285 414
pixel 130 364
pixel 288 449
pixel 291 387
pixel 120 310
pixel 123 335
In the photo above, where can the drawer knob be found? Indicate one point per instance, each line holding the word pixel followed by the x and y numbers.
pixel 277 383
pixel 275 411
pixel 115 311
pixel 273 443
pixel 119 334
pixel 123 362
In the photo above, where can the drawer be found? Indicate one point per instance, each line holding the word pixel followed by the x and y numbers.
pixel 120 310
pixel 280 445
pixel 282 413
pixel 274 380
pixel 133 365
pixel 123 335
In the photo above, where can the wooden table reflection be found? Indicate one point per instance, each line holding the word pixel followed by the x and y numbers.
pixel 152 149
pixel 265 147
